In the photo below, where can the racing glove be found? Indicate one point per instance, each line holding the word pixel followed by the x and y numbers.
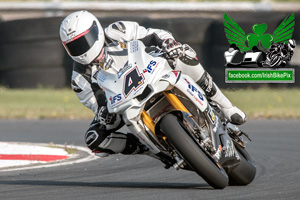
pixel 109 120
pixel 172 48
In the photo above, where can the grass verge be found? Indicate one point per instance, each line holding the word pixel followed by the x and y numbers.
pixel 41 104
pixel 267 103
pixel 64 104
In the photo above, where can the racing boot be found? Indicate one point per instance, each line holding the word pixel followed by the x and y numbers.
pixel 213 93
pixel 231 112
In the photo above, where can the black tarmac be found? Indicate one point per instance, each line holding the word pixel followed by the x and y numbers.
pixel 274 147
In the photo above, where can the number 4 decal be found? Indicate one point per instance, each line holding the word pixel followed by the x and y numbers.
pixel 132 81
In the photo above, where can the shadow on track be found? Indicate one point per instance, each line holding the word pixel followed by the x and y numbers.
pixel 147 185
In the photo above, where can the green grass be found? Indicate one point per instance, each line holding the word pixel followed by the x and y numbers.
pixel 267 103
pixel 64 104
pixel 41 103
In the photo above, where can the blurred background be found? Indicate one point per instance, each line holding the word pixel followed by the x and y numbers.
pixel 32 56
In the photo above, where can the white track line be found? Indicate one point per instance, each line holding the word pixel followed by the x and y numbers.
pixel 90 157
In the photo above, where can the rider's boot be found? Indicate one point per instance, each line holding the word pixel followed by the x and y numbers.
pixel 231 112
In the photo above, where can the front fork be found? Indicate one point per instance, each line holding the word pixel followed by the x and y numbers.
pixel 149 123
pixel 205 141
pixel 187 116
pixel 174 101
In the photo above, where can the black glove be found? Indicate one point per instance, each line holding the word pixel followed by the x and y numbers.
pixel 104 117
pixel 172 48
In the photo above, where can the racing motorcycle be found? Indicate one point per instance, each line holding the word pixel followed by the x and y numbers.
pixel 171 116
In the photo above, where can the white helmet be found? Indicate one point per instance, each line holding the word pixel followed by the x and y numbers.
pixel 82 36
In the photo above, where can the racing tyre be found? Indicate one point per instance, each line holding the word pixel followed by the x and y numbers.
pixel 245 172
pixel 179 137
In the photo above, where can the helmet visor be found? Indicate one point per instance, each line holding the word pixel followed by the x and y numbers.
pixel 83 42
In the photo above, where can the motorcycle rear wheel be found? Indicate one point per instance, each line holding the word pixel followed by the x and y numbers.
pixel 245 172
pixel 192 153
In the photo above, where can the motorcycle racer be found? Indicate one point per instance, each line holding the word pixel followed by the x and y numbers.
pixel 92 47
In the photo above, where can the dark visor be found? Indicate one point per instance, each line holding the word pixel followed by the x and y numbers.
pixel 83 42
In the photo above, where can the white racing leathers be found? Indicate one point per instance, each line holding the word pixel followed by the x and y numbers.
pixel 101 138
pixel 83 76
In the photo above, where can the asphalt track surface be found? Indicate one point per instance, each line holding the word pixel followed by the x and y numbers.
pixel 275 149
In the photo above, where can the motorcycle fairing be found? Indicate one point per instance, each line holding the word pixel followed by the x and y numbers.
pixel 142 72
pixel 144 76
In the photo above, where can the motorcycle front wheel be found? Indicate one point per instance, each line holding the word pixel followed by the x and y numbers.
pixel 192 153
